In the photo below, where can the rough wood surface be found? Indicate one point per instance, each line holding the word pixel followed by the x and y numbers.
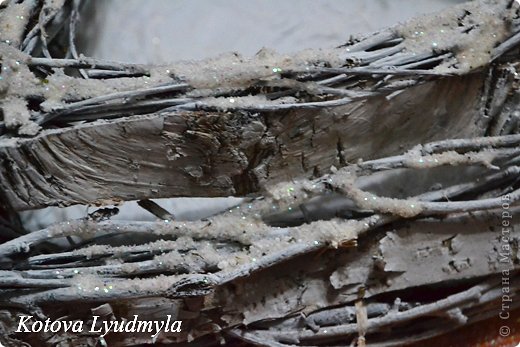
pixel 266 119
pixel 232 153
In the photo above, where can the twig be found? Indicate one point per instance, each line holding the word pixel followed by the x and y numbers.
pixel 415 160
pixel 364 57
pixel 155 209
pixel 46 15
pixel 505 46
pixel 471 144
pixel 96 251
pixel 74 18
pixel 117 289
pixel 199 229
pixel 133 94
pixel 269 260
pixel 465 206
pixel 360 71
pixel 19 282
pixel 201 105
pixel 464 188
pixel 440 328
pixel 116 110
pixel 42 21
pixel 412 207
pixel 369 42
pixel 440 58
pixel 341 315
pixel 94 73
pixel 167 263
pixel 472 294
pixel 297 249
pixel 87 63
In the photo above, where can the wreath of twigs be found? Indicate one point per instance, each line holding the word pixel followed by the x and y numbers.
pixel 296 236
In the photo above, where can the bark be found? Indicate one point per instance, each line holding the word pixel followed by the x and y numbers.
pixel 248 142
pixel 222 154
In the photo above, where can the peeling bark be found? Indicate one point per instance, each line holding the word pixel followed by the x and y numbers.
pixel 222 154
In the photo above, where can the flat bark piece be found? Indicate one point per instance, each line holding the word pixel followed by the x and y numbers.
pixel 221 154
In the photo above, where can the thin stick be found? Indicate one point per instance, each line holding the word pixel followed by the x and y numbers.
pixel 384 36
pixel 505 46
pixel 86 63
pixel 373 71
pixel 116 110
pixel 57 259
pixel 459 189
pixel 469 295
pixel 402 161
pixel 74 18
pixel 190 263
pixel 94 73
pixel 46 15
pixel 139 93
pixel 471 144
pixel 10 282
pixel 201 105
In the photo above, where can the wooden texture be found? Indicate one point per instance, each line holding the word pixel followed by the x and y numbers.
pixel 227 153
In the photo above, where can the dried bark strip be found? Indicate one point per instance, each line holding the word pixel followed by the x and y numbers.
pixel 222 154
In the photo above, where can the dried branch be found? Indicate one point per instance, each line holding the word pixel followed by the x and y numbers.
pixel 392 318
pixel 86 63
